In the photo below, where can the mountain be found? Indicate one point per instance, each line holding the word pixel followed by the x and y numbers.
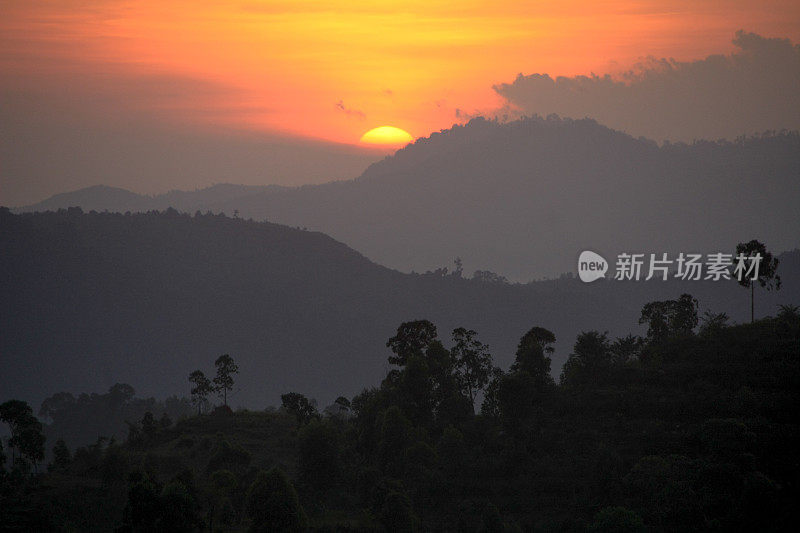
pixel 91 299
pixel 115 199
pixel 524 198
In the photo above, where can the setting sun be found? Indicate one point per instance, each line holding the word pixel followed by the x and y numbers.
pixel 327 68
pixel 386 135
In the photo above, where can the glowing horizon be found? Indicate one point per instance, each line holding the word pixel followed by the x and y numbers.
pixel 327 69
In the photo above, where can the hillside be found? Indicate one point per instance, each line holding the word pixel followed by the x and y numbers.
pixel 524 198
pixel 89 300
pixel 690 433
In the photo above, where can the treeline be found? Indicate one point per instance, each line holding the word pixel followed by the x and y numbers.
pixel 144 299
pixel 691 428
pixel 81 419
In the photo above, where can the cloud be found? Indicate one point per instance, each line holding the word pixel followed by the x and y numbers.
pixel 355 113
pixel 756 88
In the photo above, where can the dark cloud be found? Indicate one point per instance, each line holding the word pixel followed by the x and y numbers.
pixel 355 113
pixel 756 88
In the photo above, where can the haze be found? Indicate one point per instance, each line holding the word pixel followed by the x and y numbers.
pixel 152 97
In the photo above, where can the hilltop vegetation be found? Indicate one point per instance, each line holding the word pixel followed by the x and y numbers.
pixel 690 430
pixel 88 300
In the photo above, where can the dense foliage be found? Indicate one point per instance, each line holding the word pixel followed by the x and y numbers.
pixel 91 299
pixel 681 431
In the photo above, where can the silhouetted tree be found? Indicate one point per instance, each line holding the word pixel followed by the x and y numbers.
pixel 16 414
pixel 26 430
pixel 119 394
pixel 339 409
pixel 82 419
pixel 767 269
pixel 299 406
pixel 412 338
pixel 343 403
pixel 149 426
pixel 55 403
pixel 441 367
pixel 590 360
pixel 626 349
pixel 491 403
pixel 410 459
pixel 532 355
pixel 473 362
pixel 30 443
pixel 272 504
pixel 416 390
pixel 61 455
pixel 789 318
pixel 226 368
pixel 788 312
pixel 669 318
pixel 712 322
pixel 458 269
pixel 201 390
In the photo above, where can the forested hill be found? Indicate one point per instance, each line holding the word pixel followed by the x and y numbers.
pixel 89 300
pixel 523 198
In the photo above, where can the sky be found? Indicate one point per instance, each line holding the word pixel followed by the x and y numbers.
pixel 152 95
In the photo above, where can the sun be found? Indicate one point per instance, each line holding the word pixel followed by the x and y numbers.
pixel 387 135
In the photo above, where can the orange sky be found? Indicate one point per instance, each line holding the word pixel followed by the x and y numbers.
pixel 332 70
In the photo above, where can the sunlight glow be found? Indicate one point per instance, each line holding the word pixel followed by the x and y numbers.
pixel 325 68
pixel 387 135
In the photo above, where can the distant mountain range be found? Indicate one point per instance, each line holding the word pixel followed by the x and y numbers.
pixel 524 198
pixel 115 199
pixel 88 300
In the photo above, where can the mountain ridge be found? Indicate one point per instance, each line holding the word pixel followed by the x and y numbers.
pixel 117 199
pixel 523 198
pixel 91 299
